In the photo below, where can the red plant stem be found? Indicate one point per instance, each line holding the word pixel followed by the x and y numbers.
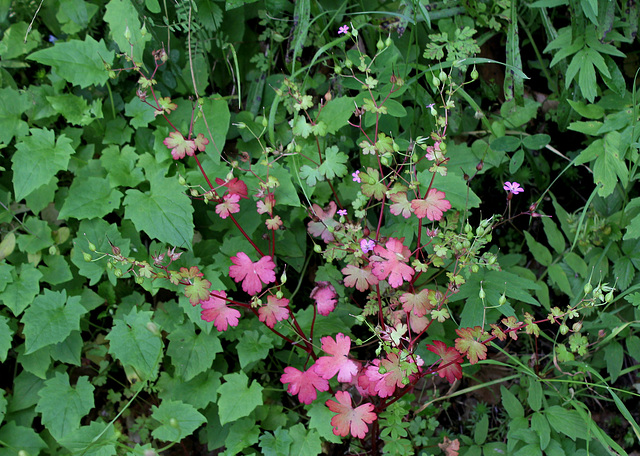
pixel 233 219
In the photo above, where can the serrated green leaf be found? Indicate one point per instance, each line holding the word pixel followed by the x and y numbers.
pixel 13 42
pixel 120 164
pixel 301 127
pixel 192 353
pixel 276 444
pixel 90 198
pixel 134 345
pixel 79 62
pixel 122 17
pixel 305 441
pixel 25 438
pixel 96 439
pixel 336 113
pixel 565 421
pixel 320 420
pixel 76 109
pixel 56 271
pixel 164 213
pixel 540 253
pixel 69 350
pixel 253 347
pixel 178 420
pixel 38 236
pixel 63 406
pixel 587 76
pixel 624 272
pixel 12 105
pixel 334 163
pixel 554 236
pixel 633 229
pixel 242 434
pixel 236 398
pixel 199 391
pixel 37 159
pixel 633 347
pixel 141 113
pixel 216 112
pixel 6 337
pixel 50 319
pixel 590 111
pixel 20 293
pixel 576 263
pixel 310 175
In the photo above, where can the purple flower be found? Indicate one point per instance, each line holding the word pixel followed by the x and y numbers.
pixel 343 29
pixel 356 176
pixel 342 212
pixel 513 187
pixel 367 245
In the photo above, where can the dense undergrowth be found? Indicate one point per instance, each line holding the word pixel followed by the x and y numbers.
pixel 319 228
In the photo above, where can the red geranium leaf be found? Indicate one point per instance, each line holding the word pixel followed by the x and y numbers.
pixel 252 275
pixel 273 311
pixel 450 358
pixel 361 278
pixel 318 228
pixel 400 205
pixel 235 187
pixel 179 145
pixel 337 362
pixel 470 343
pixel 349 419
pixel 201 142
pixel 324 294
pixel 390 262
pixel 215 309
pixel 228 206
pixel 433 206
pixel 305 384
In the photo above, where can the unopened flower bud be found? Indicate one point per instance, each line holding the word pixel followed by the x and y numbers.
pixel 317 248
pixel 576 327
pixel 474 74
pixel 117 272
pixel 193 192
pixel 502 300
pixel 564 329
pixel 587 288
pixel 388 42
pixel 480 165
pixel 182 181
pixel 87 257
pixel 127 34
pixel 380 45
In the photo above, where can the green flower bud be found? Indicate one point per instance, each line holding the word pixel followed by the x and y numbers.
pixel 337 69
pixel 380 45
pixel 317 248
pixel 182 181
pixel 92 247
pixel 117 272
pixel 53 250
pixel 348 63
pixel 482 294
pixel 388 42
pixel 502 300
pixel 587 288
pixel 87 257
pixel 564 329
pixel 474 74
pixel 475 268
pixel 279 294
pixel 443 146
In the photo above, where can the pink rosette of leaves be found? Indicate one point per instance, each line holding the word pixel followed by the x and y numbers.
pixel 305 384
pixel 318 228
pixel 252 275
pixel 273 311
pixel 338 361
pixel 325 296
pixel 350 420
pixel 389 262
pixel 433 206
pixel 216 310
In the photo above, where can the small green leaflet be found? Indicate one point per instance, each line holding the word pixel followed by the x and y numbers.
pixel 334 163
pixel 237 398
pixel 311 175
pixel 12 105
pixel 25 286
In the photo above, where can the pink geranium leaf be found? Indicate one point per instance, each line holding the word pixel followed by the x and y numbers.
pixel 274 310
pixel 400 204
pixel 252 275
pixel 348 419
pixel 450 361
pixel 418 303
pixel 389 262
pixel 361 278
pixel 323 218
pixel 325 296
pixel 305 384
pixel 433 206
pixel 179 145
pixel 235 187
pixel 201 142
pixel 229 205
pixel 215 309
pixel 338 361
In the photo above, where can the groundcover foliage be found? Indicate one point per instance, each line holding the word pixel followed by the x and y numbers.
pixel 319 228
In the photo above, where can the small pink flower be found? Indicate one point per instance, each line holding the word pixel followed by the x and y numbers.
pixel 514 187
pixel 342 212
pixel 356 176
pixel 367 245
pixel 344 29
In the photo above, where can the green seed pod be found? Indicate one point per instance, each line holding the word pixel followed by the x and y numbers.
pixel 380 45
pixel 92 247
pixel 502 300
pixel 182 181
pixel 388 42
pixel 577 327
pixel 265 122
pixel 87 257
pixel 348 63
pixel 317 248
pixel 609 296
pixel 466 244
pixel 564 329
pixel 474 74
pixel 435 81
pixel 442 76
pixel 117 272
pixel 467 228
pixel 587 288
pixel 458 246
pixel 337 69
pixel 482 294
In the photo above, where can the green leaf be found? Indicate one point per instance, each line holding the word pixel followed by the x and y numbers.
pixel 141 113
pixel 216 112
pixel 3 405
pixel 74 15
pixel 633 229
pixel 480 430
pixel 516 161
pixel 79 62
pixel 122 17
pixel 253 347
pixel 242 434
pixel 6 337
pixel 334 163
pixel 624 272
pixel 164 213
pixel 633 347
pixel 534 398
pixel 63 406
pixel 199 391
pixel 237 398
pixel 301 127
pixel 178 420
pixel 536 142
pixel 90 197
pixel 134 345
pixel 455 188
pixel 305 441
pixel 69 350
pixel 590 111
pixel 276 444
pixel 320 420
pixel 12 105
pixel 56 271
pixel 20 293
pixel 25 438
pixel 609 166
pixel 120 164
pixel 567 422
pixel 336 113
pixel 96 439
pixel 192 353
pixel 541 427
pixel 311 175
pixel 505 144
pixel 554 236
pixel 50 319
pixel 614 355
pixel 540 253
pixel 559 277
pixel 37 159
pixel 75 109
pixel 13 42
pixel 38 237
pixel 511 404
